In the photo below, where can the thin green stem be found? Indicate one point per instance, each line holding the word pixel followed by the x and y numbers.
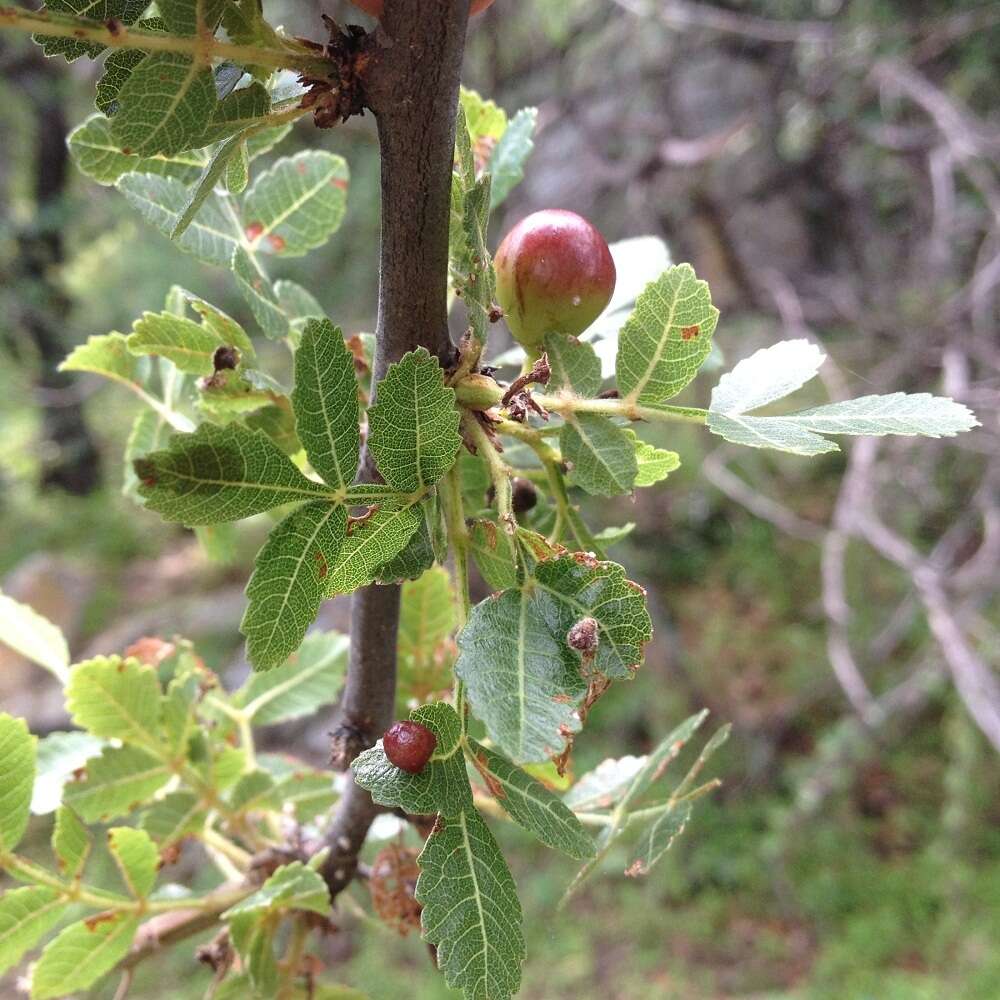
pixel 226 847
pixel 293 958
pixel 500 472
pixel 458 542
pixel 243 720
pixel 626 408
pixel 204 49
pixel 101 899
pixel 652 812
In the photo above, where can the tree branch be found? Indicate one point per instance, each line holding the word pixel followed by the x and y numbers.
pixel 412 87
pixel 54 25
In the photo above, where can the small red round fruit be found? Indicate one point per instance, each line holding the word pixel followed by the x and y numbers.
pixel 409 745
pixel 375 7
pixel 555 274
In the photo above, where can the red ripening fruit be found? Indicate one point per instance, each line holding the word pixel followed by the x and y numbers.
pixel 375 7
pixel 409 745
pixel 554 275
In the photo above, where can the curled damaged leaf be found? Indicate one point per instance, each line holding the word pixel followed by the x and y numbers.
pixel 524 680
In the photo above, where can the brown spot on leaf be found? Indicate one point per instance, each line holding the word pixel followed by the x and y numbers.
pixel 254 230
pixel 92 923
pixel 494 786
pixel 321 567
pixel 339 182
pixel 277 242
pixel 490 530
pixel 635 869
pixel 690 332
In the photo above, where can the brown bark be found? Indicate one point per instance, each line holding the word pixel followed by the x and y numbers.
pixel 413 90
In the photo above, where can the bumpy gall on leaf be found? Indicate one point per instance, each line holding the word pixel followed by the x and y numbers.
pixel 409 746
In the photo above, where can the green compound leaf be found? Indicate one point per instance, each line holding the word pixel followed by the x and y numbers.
pixel 296 302
pixel 71 49
pixel 116 699
pixel 81 953
pixel 605 785
pixel 413 426
pixel 308 791
pixel 252 921
pixel 189 17
pixel 288 581
pixel 297 204
pixel 576 368
pixel 59 755
pixel 531 804
pixel 238 167
pixel 257 292
pixel 164 104
pixel 667 338
pixel 174 817
pixel 291 887
pixel 150 432
pixel 653 464
pixel 71 842
pixel 667 750
pixel 108 355
pixel 253 938
pixel 25 916
pixel 308 681
pixel 220 474
pixel 117 69
pixel 325 401
pixel 495 555
pixel 507 161
pixel 659 838
pixel 137 858
pixel 34 637
pixel 484 119
pixel 471 268
pixel 116 782
pixel 426 620
pixel 17 776
pixel 237 112
pixel 774 372
pixel 253 792
pixel 223 326
pixel 418 554
pixel 601 455
pixel 187 345
pixel 216 167
pixel 441 787
pixel 370 544
pixel 471 910
pixel 100 158
pixel 524 681
pixel 212 237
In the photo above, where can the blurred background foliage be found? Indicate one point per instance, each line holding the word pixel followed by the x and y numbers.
pixel 830 167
